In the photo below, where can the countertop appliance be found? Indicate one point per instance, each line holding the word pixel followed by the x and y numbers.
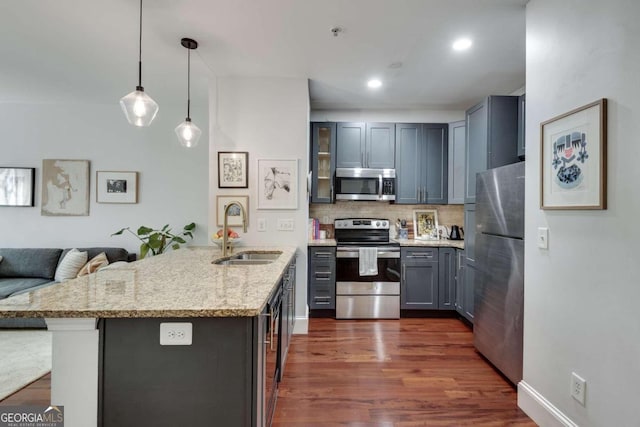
pixel 366 296
pixel 499 282
pixel 365 184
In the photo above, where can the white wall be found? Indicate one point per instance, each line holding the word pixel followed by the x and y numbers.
pixel 389 116
pixel 269 118
pixel 172 180
pixel 581 296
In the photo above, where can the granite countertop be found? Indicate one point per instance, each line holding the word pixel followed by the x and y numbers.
pixel 322 242
pixel 182 283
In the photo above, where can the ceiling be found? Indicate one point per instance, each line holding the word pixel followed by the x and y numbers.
pixel 85 51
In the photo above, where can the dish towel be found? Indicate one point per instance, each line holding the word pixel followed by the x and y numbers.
pixel 368 261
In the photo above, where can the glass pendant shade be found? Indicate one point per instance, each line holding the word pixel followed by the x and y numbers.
pixel 139 108
pixel 188 133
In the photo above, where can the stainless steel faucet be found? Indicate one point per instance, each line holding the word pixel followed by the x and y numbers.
pixel 226 247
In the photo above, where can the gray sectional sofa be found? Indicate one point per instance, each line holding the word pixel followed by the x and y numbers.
pixel 27 269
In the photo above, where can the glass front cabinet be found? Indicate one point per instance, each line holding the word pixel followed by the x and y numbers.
pixel 323 161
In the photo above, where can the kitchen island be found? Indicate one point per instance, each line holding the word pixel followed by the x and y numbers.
pixel 108 365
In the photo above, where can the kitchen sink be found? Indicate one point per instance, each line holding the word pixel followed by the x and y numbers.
pixel 250 258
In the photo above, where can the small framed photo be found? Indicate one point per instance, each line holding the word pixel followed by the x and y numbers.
pixel 232 169
pixel 17 186
pixel 116 187
pixel 235 213
pixel 425 224
pixel 573 153
pixel 277 184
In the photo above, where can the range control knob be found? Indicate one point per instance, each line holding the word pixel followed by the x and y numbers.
pixel 385 224
pixel 377 223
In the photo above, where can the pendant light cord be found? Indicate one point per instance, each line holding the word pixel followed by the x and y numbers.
pixel 140 50
pixel 188 83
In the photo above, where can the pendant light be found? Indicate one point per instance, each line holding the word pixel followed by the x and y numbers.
pixel 137 106
pixel 188 133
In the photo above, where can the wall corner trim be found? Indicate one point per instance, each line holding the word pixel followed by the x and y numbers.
pixel 539 409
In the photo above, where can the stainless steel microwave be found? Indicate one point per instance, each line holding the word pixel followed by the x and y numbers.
pixel 365 184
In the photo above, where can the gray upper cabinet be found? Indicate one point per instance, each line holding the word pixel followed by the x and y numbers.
pixel 491 138
pixel 522 101
pixel 456 162
pixel 421 163
pixel 380 146
pixel 323 161
pixel 350 145
pixel 365 145
pixel 409 162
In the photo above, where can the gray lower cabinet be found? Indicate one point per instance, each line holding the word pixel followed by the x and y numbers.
pixel 491 138
pixel 446 278
pixel 456 162
pixel 365 145
pixel 322 278
pixel 419 279
pixel 421 153
pixel 464 286
pixel 216 378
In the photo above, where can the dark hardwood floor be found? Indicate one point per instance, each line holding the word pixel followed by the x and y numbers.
pixel 385 373
pixel 412 372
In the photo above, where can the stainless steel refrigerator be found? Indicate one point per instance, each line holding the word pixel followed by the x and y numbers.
pixel 499 281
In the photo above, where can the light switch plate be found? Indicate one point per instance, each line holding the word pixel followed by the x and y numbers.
pixel 262 224
pixel 543 237
pixel 285 224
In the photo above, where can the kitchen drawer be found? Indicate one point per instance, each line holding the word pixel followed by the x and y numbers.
pixel 322 254
pixel 420 253
pixel 322 296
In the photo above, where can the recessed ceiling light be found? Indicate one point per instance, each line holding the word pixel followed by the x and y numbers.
pixel 462 44
pixel 374 83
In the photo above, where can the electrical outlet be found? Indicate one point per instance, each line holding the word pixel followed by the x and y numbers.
pixel 176 333
pixel 578 388
pixel 543 237
pixel 285 225
pixel 262 224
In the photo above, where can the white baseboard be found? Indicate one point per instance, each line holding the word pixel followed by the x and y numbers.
pixel 540 409
pixel 301 326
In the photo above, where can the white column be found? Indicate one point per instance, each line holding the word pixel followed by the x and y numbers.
pixel 74 370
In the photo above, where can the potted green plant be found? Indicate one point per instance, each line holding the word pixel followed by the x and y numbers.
pixel 156 242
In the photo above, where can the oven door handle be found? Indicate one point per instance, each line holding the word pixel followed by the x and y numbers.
pixel 354 253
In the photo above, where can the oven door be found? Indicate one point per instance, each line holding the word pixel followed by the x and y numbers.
pixel 348 265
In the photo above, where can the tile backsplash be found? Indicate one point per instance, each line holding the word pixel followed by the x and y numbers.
pixel 447 214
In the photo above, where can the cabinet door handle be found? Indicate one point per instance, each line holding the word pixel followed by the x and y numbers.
pixel 331 193
pixel 404 273
pixel 369 159
pixel 323 254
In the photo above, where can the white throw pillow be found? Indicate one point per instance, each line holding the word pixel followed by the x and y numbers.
pixel 114 266
pixel 70 265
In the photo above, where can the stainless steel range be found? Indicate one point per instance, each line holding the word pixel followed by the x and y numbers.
pixel 376 294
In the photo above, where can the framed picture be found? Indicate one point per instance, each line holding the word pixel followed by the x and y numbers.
pixel 65 187
pixel 425 224
pixel 232 169
pixel 17 186
pixel 574 159
pixel 277 184
pixel 116 187
pixel 235 214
